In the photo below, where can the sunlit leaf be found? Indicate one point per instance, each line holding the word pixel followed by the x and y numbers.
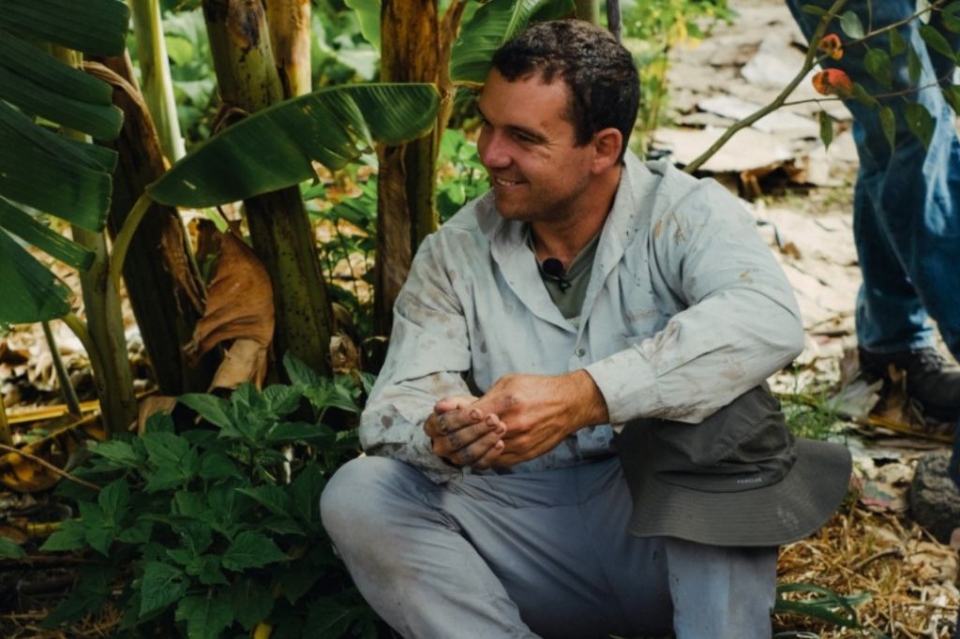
pixel 851 25
pixel 368 15
pixel 920 122
pixel 274 148
pixel 494 23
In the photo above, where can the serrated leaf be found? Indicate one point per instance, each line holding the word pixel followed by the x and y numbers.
pixel 877 63
pixel 206 568
pixel 138 533
pixel 299 432
pixel 206 615
pixel 271 497
pixel 295 579
pixel 210 407
pixel 114 500
pixel 119 452
pixel 251 550
pixel 282 399
pixel 888 123
pixel 850 24
pixel 9 549
pixel 299 372
pixel 173 462
pixel 251 601
pixel 216 465
pixel 920 122
pixel 826 128
pixel 71 536
pixel 160 586
pixel 276 147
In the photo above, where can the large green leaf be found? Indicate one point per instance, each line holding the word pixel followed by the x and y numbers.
pixel 275 148
pixel 41 171
pixel 495 23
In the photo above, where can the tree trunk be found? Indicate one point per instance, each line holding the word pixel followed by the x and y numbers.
pixel 588 10
pixel 279 226
pixel 162 280
pixel 289 22
pixel 410 52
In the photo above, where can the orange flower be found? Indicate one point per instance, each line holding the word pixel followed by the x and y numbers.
pixel 831 45
pixel 833 82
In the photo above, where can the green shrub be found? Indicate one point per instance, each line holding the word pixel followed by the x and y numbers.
pixel 213 530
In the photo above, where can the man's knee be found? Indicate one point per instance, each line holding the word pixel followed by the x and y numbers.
pixel 356 496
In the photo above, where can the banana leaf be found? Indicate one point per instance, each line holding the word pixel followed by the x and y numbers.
pixel 41 171
pixel 276 147
pixel 495 23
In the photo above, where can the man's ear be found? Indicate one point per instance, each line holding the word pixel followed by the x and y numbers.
pixel 607 144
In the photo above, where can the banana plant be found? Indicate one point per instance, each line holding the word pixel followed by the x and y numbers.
pixel 41 171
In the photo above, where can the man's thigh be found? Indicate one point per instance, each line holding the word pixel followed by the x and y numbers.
pixel 558 542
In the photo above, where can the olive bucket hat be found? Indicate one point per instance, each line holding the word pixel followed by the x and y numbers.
pixel 739 478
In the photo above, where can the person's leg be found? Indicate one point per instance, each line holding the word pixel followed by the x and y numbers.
pixel 722 592
pixel 545 553
pixel 908 198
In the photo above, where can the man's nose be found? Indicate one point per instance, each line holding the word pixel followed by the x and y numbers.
pixel 492 150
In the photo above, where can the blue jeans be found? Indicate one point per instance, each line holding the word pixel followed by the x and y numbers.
pixel 906 209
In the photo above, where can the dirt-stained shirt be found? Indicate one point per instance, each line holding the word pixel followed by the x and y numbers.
pixel 685 310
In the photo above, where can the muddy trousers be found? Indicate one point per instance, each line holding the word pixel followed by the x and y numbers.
pixel 544 554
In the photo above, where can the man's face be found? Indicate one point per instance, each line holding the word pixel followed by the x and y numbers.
pixel 528 147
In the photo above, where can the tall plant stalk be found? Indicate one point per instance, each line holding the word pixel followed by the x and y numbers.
pixel 282 236
pixel 156 84
pixel 101 299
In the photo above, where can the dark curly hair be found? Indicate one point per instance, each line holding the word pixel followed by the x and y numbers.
pixel 603 80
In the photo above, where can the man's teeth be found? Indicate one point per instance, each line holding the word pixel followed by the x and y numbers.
pixel 503 182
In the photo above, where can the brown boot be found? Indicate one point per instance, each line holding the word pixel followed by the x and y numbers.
pixel 932 381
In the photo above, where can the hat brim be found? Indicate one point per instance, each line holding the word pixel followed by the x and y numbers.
pixel 794 508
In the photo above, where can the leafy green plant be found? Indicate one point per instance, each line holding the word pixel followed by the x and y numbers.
pixel 216 529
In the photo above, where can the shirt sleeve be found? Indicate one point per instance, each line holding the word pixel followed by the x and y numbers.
pixel 737 322
pixel 428 359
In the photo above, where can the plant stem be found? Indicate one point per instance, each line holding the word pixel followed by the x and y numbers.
pixel 50 467
pixel 66 386
pixel 6 437
pixel 156 83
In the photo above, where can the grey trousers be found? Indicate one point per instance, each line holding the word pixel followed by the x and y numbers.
pixel 543 554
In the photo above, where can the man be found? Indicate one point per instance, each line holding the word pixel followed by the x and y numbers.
pixel 586 292
pixel 906 208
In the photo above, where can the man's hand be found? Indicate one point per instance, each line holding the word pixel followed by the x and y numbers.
pixel 540 411
pixel 464 435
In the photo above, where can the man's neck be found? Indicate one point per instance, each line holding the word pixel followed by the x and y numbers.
pixel 564 239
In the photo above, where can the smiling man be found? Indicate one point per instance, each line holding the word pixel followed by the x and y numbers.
pixel 571 435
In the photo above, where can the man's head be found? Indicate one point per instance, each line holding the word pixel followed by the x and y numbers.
pixel 599 72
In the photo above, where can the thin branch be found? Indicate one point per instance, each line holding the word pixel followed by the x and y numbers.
pixel 50 467
pixel 808 63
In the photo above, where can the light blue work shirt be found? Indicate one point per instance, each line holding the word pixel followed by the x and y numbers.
pixel 685 310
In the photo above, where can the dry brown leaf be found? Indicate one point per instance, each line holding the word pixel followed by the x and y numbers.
pixel 245 360
pixel 239 307
pixel 152 405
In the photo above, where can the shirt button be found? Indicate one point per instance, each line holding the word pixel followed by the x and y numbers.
pixel 580 352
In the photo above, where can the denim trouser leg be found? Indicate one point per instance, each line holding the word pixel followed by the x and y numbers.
pixel 907 200
pixel 542 554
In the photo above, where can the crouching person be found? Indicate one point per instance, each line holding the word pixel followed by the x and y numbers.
pixel 571 435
